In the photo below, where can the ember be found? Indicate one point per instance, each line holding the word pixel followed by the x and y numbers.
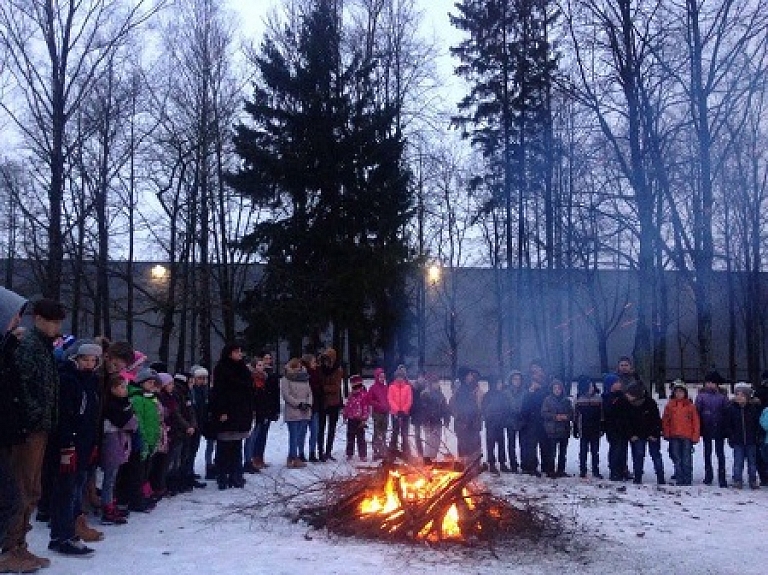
pixel 420 503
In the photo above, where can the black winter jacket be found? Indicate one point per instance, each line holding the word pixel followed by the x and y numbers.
pixel 231 395
pixel 742 423
pixel 78 411
pixel 644 420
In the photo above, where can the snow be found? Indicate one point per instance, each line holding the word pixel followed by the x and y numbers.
pixel 610 528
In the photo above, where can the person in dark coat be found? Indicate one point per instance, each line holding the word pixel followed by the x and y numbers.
pixel 615 425
pixel 467 417
pixel 494 408
pixel 309 361
pixel 644 428
pixel 266 409
pixel 514 391
pixel 761 395
pixel 331 376
pixel 588 425
pixel 557 414
pixel 12 307
pixel 231 408
pixel 712 403
pixel 534 438
pixel 742 422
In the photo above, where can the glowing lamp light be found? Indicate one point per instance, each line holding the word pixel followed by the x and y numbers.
pixel 159 272
pixel 433 274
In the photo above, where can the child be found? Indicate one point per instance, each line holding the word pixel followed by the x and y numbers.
pixel 557 413
pixel 377 397
pixel 680 424
pixel 742 423
pixel 119 424
pixel 357 411
pixel 644 427
pixel 400 397
pixel 142 395
pixel 588 425
pixel 435 413
pixel 74 440
pixel 494 410
pixel 712 404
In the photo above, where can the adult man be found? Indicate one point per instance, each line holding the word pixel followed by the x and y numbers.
pixel 626 372
pixel 11 427
pixel 533 436
pixel 467 417
pixel 39 387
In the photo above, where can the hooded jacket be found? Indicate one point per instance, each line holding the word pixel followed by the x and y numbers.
pixel 742 423
pixel 712 405
pixel 78 412
pixel 681 420
pixel 400 397
pixel 331 375
pixel 38 380
pixel 377 394
pixel 297 395
pixel 232 394
pixel 553 407
pixel 12 424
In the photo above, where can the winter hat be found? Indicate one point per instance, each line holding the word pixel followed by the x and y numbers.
pixel 744 388
pixel 356 381
pixel 180 377
pixel 164 378
pixel 87 348
pixel 200 372
pixel 11 304
pixel 679 384
pixel 636 390
pixel 714 377
pixel 49 309
pixel 400 372
pixel 376 373
pixel 146 374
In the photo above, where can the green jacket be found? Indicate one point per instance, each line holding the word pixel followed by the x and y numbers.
pixel 39 381
pixel 145 407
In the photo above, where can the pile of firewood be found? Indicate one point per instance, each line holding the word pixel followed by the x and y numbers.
pixel 453 497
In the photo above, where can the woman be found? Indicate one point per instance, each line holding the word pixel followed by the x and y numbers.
pixel 297 396
pixel 231 408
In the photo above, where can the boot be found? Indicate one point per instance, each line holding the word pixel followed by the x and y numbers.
pixel 85 531
pixel 10 562
pixel 92 496
pixel 721 478
pixel 25 553
pixel 313 458
pixel 258 463
pixel 210 472
pixel 493 469
pixel 708 476
pixel 111 516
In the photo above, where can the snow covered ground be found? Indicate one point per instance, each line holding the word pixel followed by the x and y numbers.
pixel 611 528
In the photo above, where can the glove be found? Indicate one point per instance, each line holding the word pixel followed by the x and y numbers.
pixel 67 460
pixel 94 459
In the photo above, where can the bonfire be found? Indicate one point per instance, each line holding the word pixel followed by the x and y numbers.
pixel 431 503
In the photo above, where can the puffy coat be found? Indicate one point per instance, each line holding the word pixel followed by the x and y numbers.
pixel 681 420
pixel 712 405
pixel 588 418
pixel 119 423
pixel 331 375
pixel 465 407
pixel 531 411
pixel 266 395
pixel 79 410
pixel 435 409
pixel 494 408
pixel 357 406
pixel 513 406
pixel 232 394
pixel 742 423
pixel 644 420
pixel 297 395
pixel 377 394
pixel 145 407
pixel 400 397
pixel 553 409
pixel 764 424
pixel 615 415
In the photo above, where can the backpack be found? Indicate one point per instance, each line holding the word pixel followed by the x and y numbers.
pixel 13 428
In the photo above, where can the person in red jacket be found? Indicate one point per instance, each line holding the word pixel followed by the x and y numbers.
pixel 400 397
pixel 379 402
pixel 680 424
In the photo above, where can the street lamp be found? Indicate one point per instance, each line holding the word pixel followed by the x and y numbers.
pixel 434 273
pixel 159 272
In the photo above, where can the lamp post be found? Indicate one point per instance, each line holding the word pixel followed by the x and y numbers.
pixel 430 275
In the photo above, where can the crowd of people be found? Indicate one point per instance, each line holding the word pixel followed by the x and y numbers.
pixel 94 425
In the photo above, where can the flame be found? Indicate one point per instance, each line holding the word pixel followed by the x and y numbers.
pixel 450 528
pixel 403 490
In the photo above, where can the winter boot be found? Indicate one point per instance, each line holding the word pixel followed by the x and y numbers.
pixel 708 475
pixel 11 562
pixel 258 463
pixel 111 516
pixel 313 457
pixel 493 469
pixel 721 478
pixel 210 472
pixel 71 548
pixel 504 469
pixel 85 531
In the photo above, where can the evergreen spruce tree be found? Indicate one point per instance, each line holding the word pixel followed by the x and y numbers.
pixel 322 156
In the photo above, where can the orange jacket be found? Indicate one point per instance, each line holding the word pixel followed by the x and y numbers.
pixel 400 397
pixel 681 420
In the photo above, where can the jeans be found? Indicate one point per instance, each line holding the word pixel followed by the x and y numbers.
pixel 64 508
pixel 589 445
pixel 314 427
pixel 513 437
pixel 554 447
pixel 210 446
pixel 356 437
pixel 258 438
pixel 719 445
pixel 494 443
pixel 638 458
pixel 10 498
pixel 108 486
pixel 681 452
pixel 297 433
pixel 740 454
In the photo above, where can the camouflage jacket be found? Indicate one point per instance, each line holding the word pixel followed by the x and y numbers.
pixel 39 381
